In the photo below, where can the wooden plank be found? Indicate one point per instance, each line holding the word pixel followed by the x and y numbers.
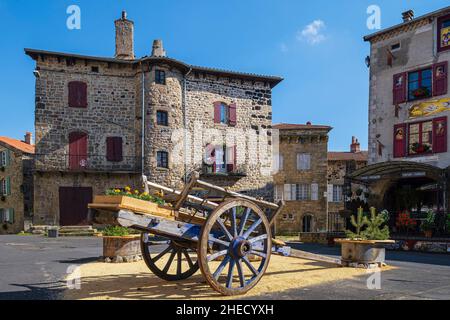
pixel 187 188
pixel 262 203
pixel 314 257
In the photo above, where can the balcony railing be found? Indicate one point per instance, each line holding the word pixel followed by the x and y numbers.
pixel 86 163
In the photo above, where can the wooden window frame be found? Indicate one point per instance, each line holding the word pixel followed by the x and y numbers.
pixel 420 123
pixel 160 77
pixel 420 71
pixel 162 163
pixel 163 123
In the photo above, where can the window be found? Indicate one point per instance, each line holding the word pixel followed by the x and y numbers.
pixel 220 159
pixel 7 215
pixel 420 138
pixel 303 161
pixel 225 114
pixel 307 223
pixel 443 33
pixel 162 159
pixel 162 118
pixel 425 83
pixel 302 192
pixel 77 94
pixel 420 84
pixel 395 47
pixel 160 77
pixel 4 158
pixel 78 142
pixel 278 162
pixel 337 193
pixel 5 186
pixel 94 69
pixel 114 149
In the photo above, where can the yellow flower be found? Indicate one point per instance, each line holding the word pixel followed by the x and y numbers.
pixel 136 192
pixel 145 194
pixel 127 188
pixel 117 191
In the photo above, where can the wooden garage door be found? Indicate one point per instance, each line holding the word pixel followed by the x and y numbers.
pixel 73 202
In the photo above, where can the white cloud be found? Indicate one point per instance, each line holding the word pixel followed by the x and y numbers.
pixel 312 33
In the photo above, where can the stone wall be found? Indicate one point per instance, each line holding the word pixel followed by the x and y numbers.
pixel 314 142
pixel 47 184
pixel 115 109
pixel 110 112
pixel 16 200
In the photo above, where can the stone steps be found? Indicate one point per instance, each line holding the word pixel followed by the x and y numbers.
pixel 67 231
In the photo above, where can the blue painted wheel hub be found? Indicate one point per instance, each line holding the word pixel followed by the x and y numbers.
pixel 240 247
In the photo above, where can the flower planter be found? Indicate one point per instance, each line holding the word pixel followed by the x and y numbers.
pixel 365 252
pixel 122 249
pixel 116 203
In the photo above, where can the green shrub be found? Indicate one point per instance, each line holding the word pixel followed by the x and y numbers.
pixel 116 231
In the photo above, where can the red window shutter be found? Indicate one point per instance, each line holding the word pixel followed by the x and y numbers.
pixel 440 135
pixel 217 106
pixel 233 117
pixel 231 163
pixel 110 149
pixel 399 88
pixel 440 78
pixel 118 154
pixel 114 149
pixel 77 150
pixel 77 94
pixel 400 141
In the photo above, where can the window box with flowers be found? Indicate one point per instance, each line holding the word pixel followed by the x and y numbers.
pixel 420 93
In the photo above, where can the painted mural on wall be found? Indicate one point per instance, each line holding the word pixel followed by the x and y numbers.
pixel 445 37
pixel 429 108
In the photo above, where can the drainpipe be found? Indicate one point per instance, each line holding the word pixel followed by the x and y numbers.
pixel 143 122
pixel 185 125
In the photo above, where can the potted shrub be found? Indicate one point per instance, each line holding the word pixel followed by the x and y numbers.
pixel 367 244
pixel 428 226
pixel 119 245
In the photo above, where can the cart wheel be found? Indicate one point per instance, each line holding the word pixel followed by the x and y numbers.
pixel 186 264
pixel 233 235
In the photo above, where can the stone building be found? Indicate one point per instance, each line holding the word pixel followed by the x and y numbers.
pixel 102 122
pixel 16 183
pixel 340 165
pixel 409 105
pixel 301 178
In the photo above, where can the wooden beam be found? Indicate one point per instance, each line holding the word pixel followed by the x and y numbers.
pixel 187 188
pixel 262 203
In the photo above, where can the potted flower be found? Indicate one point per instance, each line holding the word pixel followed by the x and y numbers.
pixel 405 222
pixel 119 245
pixel 420 148
pixel 367 244
pixel 421 92
pixel 428 226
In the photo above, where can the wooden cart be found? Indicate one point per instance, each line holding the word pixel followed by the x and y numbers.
pixel 229 240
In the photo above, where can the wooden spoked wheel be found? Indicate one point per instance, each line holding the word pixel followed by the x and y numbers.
pixel 176 261
pixel 235 246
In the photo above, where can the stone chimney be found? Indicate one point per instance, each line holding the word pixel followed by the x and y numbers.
pixel 28 138
pixel 408 15
pixel 355 147
pixel 124 38
pixel 158 49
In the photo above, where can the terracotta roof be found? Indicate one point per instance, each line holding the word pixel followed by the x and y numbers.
pixel 17 144
pixel 288 126
pixel 272 80
pixel 348 156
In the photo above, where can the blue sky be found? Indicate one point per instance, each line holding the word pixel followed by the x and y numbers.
pixel 316 46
